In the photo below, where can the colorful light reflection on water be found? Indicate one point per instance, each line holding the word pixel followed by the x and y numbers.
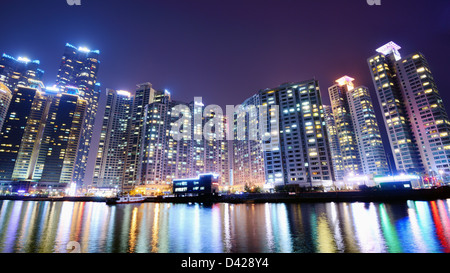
pixel 48 227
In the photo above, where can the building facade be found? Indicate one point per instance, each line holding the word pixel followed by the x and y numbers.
pixel 5 100
pixel 26 102
pixel 164 157
pixel 144 95
pixel 26 161
pixel 333 140
pixel 368 137
pixel 344 125
pixel 208 145
pixel 56 160
pixel 157 155
pixel 247 154
pixel 40 136
pixel 358 135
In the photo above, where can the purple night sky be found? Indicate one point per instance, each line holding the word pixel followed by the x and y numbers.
pixel 227 50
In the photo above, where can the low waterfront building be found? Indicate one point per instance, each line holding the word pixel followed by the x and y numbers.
pixel 204 184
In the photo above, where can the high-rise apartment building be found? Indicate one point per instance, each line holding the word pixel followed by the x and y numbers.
pixel 368 135
pixel 17 72
pixel 208 145
pixel 79 69
pixel 24 116
pixel 40 136
pixel 164 157
pixel 111 157
pixel 414 115
pixel 58 150
pixel 247 154
pixel 344 125
pixel 359 137
pixel 32 136
pixel 158 154
pixel 301 156
pixel 5 100
pixel 144 95
pixel 333 140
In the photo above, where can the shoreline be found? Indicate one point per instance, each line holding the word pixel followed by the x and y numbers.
pixel 305 197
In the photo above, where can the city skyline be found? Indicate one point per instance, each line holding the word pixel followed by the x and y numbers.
pixel 155 158
pixel 225 52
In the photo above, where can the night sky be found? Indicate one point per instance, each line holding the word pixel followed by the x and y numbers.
pixel 227 50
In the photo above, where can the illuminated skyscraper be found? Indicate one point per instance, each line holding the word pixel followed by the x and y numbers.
pixel 58 149
pixel 368 136
pixel 40 136
pixel 164 157
pixel 5 100
pixel 24 116
pixel 157 154
pixel 17 72
pixel 112 152
pixel 145 94
pixel 335 148
pixel 208 145
pixel 393 107
pixel 32 136
pixel 415 118
pixel 359 137
pixel 302 155
pixel 344 125
pixel 247 154
pixel 79 68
